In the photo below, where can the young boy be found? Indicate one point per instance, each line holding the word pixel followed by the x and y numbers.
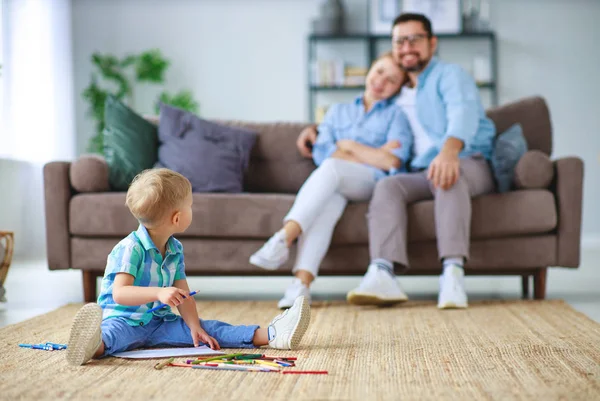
pixel 147 268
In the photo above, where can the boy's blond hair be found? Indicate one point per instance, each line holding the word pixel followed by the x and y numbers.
pixel 156 192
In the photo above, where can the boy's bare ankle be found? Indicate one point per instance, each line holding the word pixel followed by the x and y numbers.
pixel 261 337
pixel 99 351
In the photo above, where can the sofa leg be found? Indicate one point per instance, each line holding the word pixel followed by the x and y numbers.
pixel 89 286
pixel 525 286
pixel 539 283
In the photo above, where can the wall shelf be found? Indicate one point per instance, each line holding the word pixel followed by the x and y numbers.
pixel 371 41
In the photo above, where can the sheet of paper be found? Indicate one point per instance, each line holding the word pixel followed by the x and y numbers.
pixel 168 352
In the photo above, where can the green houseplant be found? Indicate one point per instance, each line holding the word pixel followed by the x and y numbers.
pixel 118 76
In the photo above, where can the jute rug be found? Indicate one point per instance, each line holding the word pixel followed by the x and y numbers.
pixel 526 350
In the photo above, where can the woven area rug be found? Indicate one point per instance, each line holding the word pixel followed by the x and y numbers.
pixel 530 350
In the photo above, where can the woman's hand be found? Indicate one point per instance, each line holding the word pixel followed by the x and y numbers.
pixel 201 336
pixel 345 145
pixel 306 137
pixel 391 145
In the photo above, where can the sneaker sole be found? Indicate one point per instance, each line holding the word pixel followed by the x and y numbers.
pixel 284 307
pixel 301 325
pixel 85 326
pixel 370 299
pixel 452 305
pixel 264 264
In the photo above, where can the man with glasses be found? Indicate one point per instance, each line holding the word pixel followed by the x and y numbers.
pixel 452 143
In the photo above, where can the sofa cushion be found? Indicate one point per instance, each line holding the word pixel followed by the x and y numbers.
pixel 533 115
pixel 276 166
pixel 258 216
pixel 212 156
pixel 225 257
pixel 534 171
pixel 509 147
pixel 89 173
pixel 130 143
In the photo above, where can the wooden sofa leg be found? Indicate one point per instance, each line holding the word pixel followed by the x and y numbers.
pixel 89 286
pixel 525 286
pixel 539 283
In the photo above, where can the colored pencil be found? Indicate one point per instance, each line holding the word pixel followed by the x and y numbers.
pixel 305 372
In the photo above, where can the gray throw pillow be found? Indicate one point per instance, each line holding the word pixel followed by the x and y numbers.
pixel 509 147
pixel 212 156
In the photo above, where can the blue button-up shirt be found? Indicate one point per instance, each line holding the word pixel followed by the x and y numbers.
pixel 385 121
pixel 137 255
pixel 448 105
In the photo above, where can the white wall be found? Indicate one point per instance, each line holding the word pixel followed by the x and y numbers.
pixel 552 48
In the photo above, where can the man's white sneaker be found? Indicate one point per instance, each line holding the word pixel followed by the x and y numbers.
pixel 287 328
pixel 295 290
pixel 452 288
pixel 85 337
pixel 273 253
pixel 377 287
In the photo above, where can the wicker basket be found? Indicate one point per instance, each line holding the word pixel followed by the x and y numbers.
pixel 6 253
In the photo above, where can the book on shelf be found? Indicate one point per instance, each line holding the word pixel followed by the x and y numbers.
pixel 335 73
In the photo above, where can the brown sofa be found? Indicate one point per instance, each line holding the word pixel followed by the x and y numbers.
pixel 522 232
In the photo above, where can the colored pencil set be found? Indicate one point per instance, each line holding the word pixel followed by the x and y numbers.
pixel 241 362
pixel 47 346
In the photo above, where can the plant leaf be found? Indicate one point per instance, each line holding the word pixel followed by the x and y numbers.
pixel 151 66
pixel 183 99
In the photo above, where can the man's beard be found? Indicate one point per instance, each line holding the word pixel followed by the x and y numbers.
pixel 418 67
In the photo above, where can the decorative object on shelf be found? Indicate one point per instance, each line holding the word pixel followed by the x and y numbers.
pixel 445 15
pixel 331 20
pixel 336 73
pixel 482 70
pixel 381 15
pixel 476 15
pixel 148 67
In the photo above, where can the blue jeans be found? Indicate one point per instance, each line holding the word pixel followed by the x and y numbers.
pixel 119 336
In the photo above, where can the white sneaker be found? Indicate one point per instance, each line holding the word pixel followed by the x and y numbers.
pixel 289 326
pixel 295 290
pixel 272 254
pixel 85 337
pixel 377 288
pixel 452 288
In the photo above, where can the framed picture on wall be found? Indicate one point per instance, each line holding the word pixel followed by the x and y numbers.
pixel 445 15
pixel 381 15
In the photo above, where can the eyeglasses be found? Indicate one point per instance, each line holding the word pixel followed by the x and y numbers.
pixel 411 39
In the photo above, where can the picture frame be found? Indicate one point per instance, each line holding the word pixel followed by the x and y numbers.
pixel 445 15
pixel 381 15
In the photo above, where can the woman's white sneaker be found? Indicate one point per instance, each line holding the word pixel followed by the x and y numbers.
pixel 295 290
pixel 273 253
pixel 287 328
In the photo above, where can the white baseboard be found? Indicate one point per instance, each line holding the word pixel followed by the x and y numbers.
pixel 590 241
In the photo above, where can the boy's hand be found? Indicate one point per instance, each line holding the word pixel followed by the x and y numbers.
pixel 391 145
pixel 172 296
pixel 201 336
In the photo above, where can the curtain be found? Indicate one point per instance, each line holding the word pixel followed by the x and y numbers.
pixel 38 121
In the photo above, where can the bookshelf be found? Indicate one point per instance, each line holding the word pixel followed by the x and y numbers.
pixel 371 43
